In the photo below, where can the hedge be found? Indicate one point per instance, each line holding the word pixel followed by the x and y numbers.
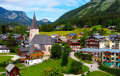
pixel 114 71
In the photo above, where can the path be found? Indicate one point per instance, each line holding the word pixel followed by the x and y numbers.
pixel 93 68
pixel 15 57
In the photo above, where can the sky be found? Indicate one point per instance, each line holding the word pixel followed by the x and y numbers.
pixel 44 9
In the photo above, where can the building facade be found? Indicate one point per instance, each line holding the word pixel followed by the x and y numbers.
pixel 96 42
pixel 114 41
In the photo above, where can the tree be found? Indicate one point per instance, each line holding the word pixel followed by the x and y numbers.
pixel 67 49
pixel 56 51
pixel 11 43
pixel 64 58
pixel 68 27
pixel 63 43
pixel 76 66
pixel 51 72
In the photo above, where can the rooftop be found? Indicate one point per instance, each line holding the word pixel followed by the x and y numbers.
pixel 101 50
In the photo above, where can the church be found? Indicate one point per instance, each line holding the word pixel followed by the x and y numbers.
pixel 43 42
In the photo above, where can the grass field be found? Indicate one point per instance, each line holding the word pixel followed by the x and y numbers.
pixel 8 54
pixel 2 69
pixel 64 33
pixel 2 74
pixel 99 73
pixel 5 58
pixel 37 69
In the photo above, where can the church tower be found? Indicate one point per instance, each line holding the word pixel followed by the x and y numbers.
pixel 34 28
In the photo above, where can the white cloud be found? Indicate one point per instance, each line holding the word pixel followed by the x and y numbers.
pixel 37 5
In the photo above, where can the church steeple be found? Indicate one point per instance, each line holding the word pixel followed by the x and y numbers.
pixel 34 30
pixel 34 23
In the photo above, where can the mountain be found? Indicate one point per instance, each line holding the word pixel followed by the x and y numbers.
pixel 46 21
pixel 94 9
pixel 15 16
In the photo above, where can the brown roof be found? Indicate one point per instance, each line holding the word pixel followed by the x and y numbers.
pixel 31 50
pixel 34 23
pixel 73 41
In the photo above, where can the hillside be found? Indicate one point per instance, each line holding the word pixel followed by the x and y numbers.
pixel 95 9
pixel 17 16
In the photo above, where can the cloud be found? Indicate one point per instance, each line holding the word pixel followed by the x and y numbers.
pixel 38 5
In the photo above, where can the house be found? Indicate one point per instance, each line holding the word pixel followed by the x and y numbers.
pixel 55 36
pixel 85 26
pixel 34 56
pixel 74 26
pixel 114 42
pixel 71 35
pixel 12 70
pixel 111 27
pixel 25 43
pixel 63 38
pixel 97 42
pixel 30 55
pixel 81 34
pixel 111 58
pixel 57 40
pixel 74 44
pixel 4 49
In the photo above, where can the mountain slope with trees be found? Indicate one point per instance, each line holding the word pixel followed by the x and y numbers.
pixel 102 12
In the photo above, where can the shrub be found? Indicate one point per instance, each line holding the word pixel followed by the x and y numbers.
pixel 84 56
pixel 51 72
pixel 110 70
pixel 76 66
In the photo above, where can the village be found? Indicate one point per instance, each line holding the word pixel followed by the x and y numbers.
pixel 40 49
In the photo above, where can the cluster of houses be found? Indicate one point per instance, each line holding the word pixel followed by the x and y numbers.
pixel 104 49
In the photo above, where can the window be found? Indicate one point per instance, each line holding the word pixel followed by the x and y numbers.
pixel 117 42
pixel 112 58
pixel 116 59
pixel 112 41
pixel 14 72
pixel 49 49
pixel 32 57
pixel 113 46
pixel 112 53
pixel 27 57
pixel 38 57
pixel 116 54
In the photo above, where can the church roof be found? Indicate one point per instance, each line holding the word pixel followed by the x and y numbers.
pixel 34 23
pixel 42 39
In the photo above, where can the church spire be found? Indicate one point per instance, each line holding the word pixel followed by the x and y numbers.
pixel 34 23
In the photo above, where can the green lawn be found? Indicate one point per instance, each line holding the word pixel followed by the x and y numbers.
pixel 99 73
pixel 5 58
pixel 2 74
pixel 37 69
pixel 2 69
pixel 8 54
pixel 83 60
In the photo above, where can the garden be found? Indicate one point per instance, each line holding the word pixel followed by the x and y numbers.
pixel 86 58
